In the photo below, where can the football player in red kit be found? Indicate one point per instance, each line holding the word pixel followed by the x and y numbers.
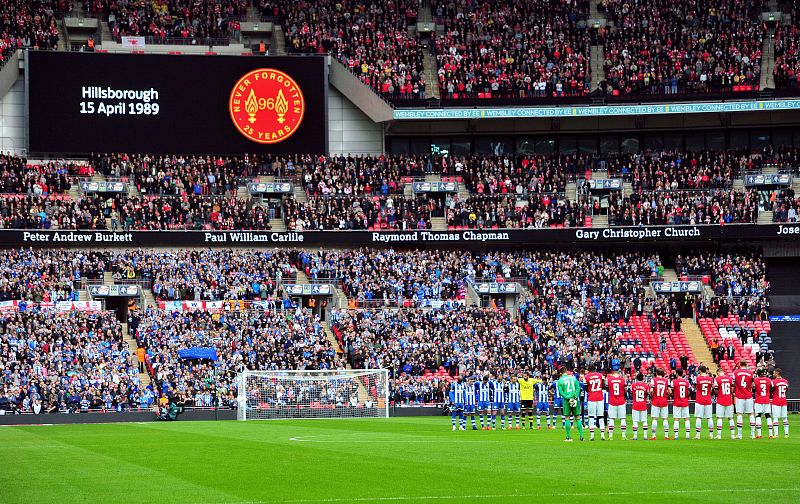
pixel 704 386
pixel 762 386
pixel 724 387
pixel 616 402
pixel 639 392
pixel 780 388
pixel 743 390
pixel 659 390
pixel 597 410
pixel 680 404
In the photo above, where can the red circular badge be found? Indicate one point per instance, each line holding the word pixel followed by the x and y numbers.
pixel 267 106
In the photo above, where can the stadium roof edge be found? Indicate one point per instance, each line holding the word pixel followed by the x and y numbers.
pixel 595 110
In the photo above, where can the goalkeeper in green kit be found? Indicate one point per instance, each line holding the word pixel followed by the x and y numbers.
pixel 570 391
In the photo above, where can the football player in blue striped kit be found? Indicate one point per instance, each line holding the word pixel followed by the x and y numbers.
pixel 457 402
pixel 484 392
pixel 469 403
pixel 558 405
pixel 512 402
pixel 498 402
pixel 542 402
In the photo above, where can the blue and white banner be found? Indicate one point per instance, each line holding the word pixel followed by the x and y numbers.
pixel 496 288
pixel 595 111
pixel 784 318
pixel 761 179
pixel 209 353
pixel 672 287
pixel 432 187
pixel 605 184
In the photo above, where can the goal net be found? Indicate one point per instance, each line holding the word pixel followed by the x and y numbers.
pixel 346 393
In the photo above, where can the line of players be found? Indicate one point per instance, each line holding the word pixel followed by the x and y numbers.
pixel 604 402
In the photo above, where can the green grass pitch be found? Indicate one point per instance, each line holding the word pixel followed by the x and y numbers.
pixel 383 461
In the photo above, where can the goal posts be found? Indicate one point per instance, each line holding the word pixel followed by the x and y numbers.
pixel 345 393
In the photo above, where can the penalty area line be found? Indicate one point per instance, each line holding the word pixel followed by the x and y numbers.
pixel 514 496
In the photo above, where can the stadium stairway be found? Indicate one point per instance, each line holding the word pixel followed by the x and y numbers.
pixel 278 42
pixel 694 336
pixel 62 36
pixel 600 221
pixel 433 177
pixel 597 55
pixel 339 297
pixel 108 278
pixel 473 299
pixel 299 194
pixel 463 192
pixel 332 338
pixel 83 295
pixel 302 278
pixel 571 190
pixel 768 61
pixel 105 32
pixel 147 298
pixel 438 224
pixel 670 275
pixel 144 378
pixel 278 225
pixel 75 192
pixel 627 189
pixel 765 217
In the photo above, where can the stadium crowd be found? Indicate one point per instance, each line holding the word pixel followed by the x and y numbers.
pixel 370 38
pixel 256 340
pixel 512 49
pixel 682 46
pixel 28 24
pixel 47 275
pixel 67 362
pixel 787 55
pixel 208 275
pixel 190 20
pixel 684 207
pixel 580 310
pixel 349 212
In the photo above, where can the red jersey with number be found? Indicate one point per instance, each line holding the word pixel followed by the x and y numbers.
pixel 680 392
pixel 703 385
pixel 616 390
pixel 594 386
pixel 725 390
pixel 659 389
pixel 639 394
pixel 743 384
pixel 780 387
pixel 763 386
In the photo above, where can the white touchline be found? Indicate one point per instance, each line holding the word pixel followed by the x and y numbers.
pixel 514 496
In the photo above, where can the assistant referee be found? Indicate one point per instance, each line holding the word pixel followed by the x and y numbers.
pixel 526 384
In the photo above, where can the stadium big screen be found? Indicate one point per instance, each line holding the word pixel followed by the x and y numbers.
pixel 90 102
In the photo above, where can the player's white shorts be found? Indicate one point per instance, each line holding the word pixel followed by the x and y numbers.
pixel 744 406
pixel 596 409
pixel 680 412
pixel 778 411
pixel 702 410
pixel 640 416
pixel 724 411
pixel 659 411
pixel 762 409
pixel 617 411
